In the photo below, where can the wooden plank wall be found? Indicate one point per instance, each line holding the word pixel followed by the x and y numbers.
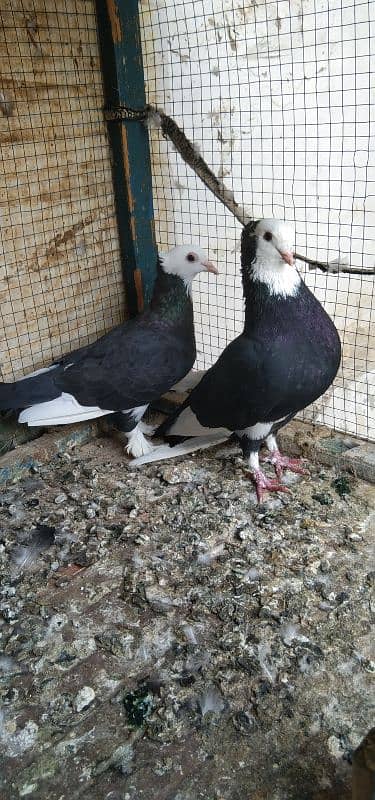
pixel 61 281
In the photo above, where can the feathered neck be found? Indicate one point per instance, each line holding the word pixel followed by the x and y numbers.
pixel 170 298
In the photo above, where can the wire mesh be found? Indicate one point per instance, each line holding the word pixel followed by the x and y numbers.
pixel 277 95
pixel 60 274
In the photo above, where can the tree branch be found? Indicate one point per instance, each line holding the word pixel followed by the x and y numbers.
pixel 191 155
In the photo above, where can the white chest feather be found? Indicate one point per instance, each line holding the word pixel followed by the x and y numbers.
pixel 281 279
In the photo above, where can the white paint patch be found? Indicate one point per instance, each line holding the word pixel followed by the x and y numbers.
pixel 343 402
pixel 64 410
pixel 137 445
pixel 187 424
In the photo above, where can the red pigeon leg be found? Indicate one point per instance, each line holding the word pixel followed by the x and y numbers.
pixel 280 462
pixel 263 484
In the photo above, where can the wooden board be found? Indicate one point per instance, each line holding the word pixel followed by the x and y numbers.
pixel 61 281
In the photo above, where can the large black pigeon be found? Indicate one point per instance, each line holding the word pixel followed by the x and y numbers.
pixel 286 357
pixel 126 369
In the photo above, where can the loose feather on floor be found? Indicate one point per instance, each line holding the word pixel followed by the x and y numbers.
pixel 24 556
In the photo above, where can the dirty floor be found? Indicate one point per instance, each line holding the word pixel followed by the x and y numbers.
pixel 165 638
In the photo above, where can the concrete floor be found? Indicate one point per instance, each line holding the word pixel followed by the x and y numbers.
pixel 164 637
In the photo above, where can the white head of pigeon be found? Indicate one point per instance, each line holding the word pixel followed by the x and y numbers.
pixel 187 261
pixel 274 257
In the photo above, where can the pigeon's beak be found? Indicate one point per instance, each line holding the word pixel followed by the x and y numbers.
pixel 210 267
pixel 287 256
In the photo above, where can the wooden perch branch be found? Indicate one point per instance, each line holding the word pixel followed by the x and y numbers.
pixel 190 154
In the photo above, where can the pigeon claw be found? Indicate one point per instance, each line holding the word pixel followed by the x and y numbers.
pixel 263 484
pixel 280 462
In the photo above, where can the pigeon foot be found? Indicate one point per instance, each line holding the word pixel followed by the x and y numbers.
pixel 137 445
pixel 280 462
pixel 263 484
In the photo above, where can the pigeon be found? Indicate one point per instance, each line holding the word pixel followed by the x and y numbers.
pixel 286 357
pixel 126 369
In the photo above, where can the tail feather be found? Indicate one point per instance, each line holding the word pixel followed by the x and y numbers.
pixel 184 423
pixel 164 451
pixel 64 410
pixel 29 390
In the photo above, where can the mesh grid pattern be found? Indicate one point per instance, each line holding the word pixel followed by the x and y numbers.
pixel 277 95
pixel 60 274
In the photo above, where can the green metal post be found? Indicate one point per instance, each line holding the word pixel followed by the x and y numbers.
pixel 119 36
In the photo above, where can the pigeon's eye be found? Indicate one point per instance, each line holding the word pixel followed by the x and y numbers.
pixel 190 257
pixel 267 236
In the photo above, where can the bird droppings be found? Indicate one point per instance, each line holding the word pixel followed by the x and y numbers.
pixel 183 641
pixel 15 742
pixel 85 696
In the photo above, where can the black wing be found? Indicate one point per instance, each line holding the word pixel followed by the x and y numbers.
pixel 253 381
pixel 232 393
pixel 132 365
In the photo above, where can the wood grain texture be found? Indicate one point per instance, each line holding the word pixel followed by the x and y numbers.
pixel 61 282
